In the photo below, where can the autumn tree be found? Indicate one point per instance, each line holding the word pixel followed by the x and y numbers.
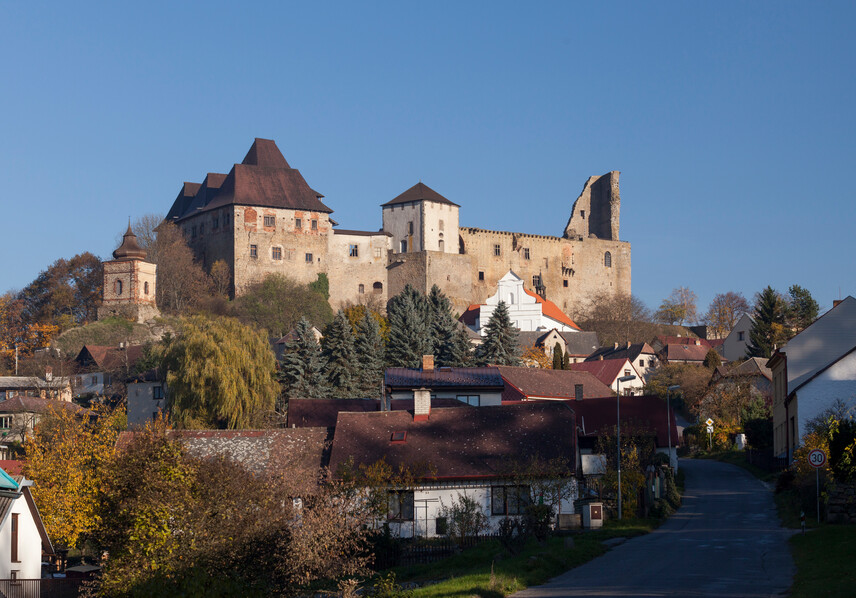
pixel 221 277
pixel 220 374
pixel 182 283
pixel 534 356
pixel 67 294
pixel 339 357
pixel 692 379
pixel 616 318
pixel 768 327
pixel 499 346
pixel 17 331
pixel 724 311
pixel 679 307
pixel 277 302
pixel 301 369
pixel 66 457
pixel 368 305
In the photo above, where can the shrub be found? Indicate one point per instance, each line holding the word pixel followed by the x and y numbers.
pixel 464 518
pixel 512 535
pixel 536 521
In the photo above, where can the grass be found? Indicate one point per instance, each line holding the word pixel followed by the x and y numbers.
pixel 489 572
pixel 824 559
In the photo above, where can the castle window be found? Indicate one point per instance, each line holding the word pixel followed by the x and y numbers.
pixel 565 283
pixel 276 253
pixel 308 258
pixel 215 223
pixel 525 253
pixel 270 220
pixel 404 246
pixel 481 275
pixel 202 229
pixel 377 288
pixel 410 228
pixel 314 225
pixel 353 251
pixel 298 223
pixel 361 289
pixel 497 250
pixel 254 251
pixel 146 288
pixel 377 251
pixel 225 219
pixel 118 287
pixel 607 259
pixel 193 232
pixel 583 214
pixel 441 225
pixel 442 245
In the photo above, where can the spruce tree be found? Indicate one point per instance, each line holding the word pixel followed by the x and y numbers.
pixel 802 309
pixel 337 351
pixel 369 349
pixel 558 357
pixel 500 342
pixel 767 330
pixel 409 329
pixel 301 370
pixel 450 345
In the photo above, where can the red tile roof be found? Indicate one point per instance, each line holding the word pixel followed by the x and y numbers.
pixel 12 466
pixel 480 442
pixel 551 310
pixel 687 340
pixel 22 404
pixel 605 370
pixel 107 358
pixel 419 192
pixel 686 352
pixel 643 412
pixel 554 384
pixel 322 413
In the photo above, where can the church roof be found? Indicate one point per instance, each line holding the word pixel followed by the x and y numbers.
pixel 551 310
pixel 263 179
pixel 129 249
pixel 420 192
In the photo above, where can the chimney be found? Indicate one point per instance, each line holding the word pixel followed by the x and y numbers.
pixel 600 357
pixel 835 302
pixel 48 373
pixel 628 344
pixel 616 346
pixel 697 342
pixel 427 363
pixel 421 404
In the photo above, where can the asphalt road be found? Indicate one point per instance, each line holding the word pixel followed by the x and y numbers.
pixel 725 540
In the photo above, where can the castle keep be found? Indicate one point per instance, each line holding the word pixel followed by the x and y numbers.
pixel 263 217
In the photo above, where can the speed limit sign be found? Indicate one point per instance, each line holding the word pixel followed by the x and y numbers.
pixel 817 458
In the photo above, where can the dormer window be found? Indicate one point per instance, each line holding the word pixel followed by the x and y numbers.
pixel 400 436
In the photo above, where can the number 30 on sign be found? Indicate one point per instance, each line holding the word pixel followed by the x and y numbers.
pixel 817 458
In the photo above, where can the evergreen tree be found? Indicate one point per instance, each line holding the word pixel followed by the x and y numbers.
pixel 802 309
pixel 369 349
pixel 337 351
pixel 301 368
pixel 768 328
pixel 558 357
pixel 712 360
pixel 500 342
pixel 450 344
pixel 409 329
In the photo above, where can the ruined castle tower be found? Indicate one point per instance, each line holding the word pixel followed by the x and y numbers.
pixel 129 283
pixel 596 211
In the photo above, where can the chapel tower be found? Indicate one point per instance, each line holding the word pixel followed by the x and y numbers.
pixel 129 283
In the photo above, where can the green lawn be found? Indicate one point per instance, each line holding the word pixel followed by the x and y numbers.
pixel 469 573
pixel 825 560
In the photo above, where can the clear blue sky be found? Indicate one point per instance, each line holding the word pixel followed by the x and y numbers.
pixel 731 122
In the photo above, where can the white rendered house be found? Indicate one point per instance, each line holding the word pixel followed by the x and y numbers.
pixel 22 535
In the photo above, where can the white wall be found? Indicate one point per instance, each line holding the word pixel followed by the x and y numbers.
pixel 433 213
pixel 395 221
pixel 142 404
pixel 29 544
pixel 733 347
pixel 837 382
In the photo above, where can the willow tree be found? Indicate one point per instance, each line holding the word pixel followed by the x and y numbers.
pixel 220 374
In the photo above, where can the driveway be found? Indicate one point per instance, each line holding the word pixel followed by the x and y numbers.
pixel 725 540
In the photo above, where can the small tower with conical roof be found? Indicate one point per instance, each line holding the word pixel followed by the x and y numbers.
pixel 129 283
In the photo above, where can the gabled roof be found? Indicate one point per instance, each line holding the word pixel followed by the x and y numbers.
pixel 625 351
pixel 419 192
pixel 107 358
pixel 580 343
pixel 263 179
pixel 754 366
pixel 686 352
pixel 642 412
pixel 322 413
pixel 688 340
pixel 605 370
pixel 27 382
pixel 482 377
pixel 551 310
pixel 550 384
pixel 20 404
pixel 479 442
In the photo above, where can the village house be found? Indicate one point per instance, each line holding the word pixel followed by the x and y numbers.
pixel 735 345
pixel 22 536
pixel 530 384
pixel 49 387
pixel 147 393
pixel 813 372
pixel 609 371
pixel 21 413
pixel 692 354
pixel 99 366
pixel 472 386
pixel 642 356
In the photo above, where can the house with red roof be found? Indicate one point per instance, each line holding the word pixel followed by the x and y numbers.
pixel 533 384
pixel 609 371
pixel 99 364
pixel 527 311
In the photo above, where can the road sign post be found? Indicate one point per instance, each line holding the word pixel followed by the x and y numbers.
pixel 817 459
pixel 709 423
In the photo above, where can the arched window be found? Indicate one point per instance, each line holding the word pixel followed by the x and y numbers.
pixel 442 245
pixel 607 259
pixel 146 287
pixel 362 289
pixel 118 287
pixel 377 288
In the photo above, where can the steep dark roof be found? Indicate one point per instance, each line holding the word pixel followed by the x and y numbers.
pixel 483 377
pixel 263 179
pixel 322 413
pixel 624 351
pixel 109 358
pixel 644 412
pixel 419 192
pixel 553 384
pixel 605 370
pixel 480 442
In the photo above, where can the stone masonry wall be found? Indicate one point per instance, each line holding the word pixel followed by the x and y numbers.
pixel 841 504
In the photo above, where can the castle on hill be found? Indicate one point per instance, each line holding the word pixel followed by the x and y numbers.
pixel 263 217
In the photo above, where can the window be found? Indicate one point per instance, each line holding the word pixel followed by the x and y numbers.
pixel 410 228
pixel 270 220
pixel 481 275
pixel 740 335
pixel 578 392
pixel 193 232
pixel 473 400
pixel 626 372
pixel 583 214
pixel 378 252
pixel 314 225
pixel 565 283
pixel 497 250
pixel 118 287
pixel 362 289
pixel 509 500
pixel 14 546
pixel 254 251
pixel 215 223
pixel 276 253
pixel 201 229
pixel 399 436
pixel 641 364
pixel 353 251
pixel 607 259
pixel 146 288
pixel 401 505
pixel 441 526
pixel 308 258
pixel 225 219
pixel 441 225
pixel 404 246
pixel 442 245
pixel 157 393
pixel 6 422
pixel 377 288
pixel 298 223
pixel 94 381
pixel 525 253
